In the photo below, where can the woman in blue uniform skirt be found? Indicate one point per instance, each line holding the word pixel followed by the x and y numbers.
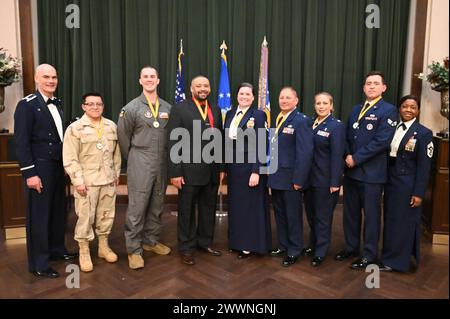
pixel 248 214
pixel 409 169
pixel 325 177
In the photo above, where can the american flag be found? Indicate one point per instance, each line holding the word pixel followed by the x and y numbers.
pixel 179 85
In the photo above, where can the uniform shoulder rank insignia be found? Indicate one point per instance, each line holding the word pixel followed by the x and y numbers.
pixel 122 113
pixel 392 123
pixel 30 97
pixel 430 149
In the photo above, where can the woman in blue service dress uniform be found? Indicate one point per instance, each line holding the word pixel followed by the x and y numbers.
pixel 248 215
pixel 409 169
pixel 325 177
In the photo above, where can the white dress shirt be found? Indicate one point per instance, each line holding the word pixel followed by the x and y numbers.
pixel 398 136
pixel 56 117
pixel 240 112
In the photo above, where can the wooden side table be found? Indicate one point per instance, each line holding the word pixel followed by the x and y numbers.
pixel 435 210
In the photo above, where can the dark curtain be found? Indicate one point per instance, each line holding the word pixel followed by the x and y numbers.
pixel 314 45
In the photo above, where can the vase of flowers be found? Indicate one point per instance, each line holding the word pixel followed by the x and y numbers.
pixel 9 73
pixel 438 79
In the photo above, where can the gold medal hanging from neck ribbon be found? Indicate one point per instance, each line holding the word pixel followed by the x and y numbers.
pixel 203 113
pixel 317 122
pixel 99 131
pixel 364 109
pixel 154 111
pixel 280 120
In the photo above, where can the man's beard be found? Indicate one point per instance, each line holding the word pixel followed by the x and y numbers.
pixel 197 97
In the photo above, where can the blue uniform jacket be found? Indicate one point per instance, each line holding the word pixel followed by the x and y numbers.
pixel 295 152
pixel 415 161
pixel 329 147
pixel 35 134
pixel 253 119
pixel 368 141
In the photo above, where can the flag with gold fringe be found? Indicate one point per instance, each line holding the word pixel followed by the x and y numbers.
pixel 263 82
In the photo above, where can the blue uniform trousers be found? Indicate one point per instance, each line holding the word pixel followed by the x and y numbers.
pixel 46 216
pixel 362 196
pixel 319 206
pixel 287 205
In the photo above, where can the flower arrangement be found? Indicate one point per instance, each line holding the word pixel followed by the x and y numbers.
pixel 438 77
pixel 9 68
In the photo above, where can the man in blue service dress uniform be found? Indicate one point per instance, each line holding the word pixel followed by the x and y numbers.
pixel 38 130
pixel 294 136
pixel 370 128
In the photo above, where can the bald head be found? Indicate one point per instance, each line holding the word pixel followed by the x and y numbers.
pixel 44 68
pixel 200 88
pixel 46 79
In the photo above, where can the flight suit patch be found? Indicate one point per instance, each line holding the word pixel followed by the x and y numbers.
pixel 163 115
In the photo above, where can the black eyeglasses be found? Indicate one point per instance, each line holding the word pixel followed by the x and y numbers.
pixel 92 104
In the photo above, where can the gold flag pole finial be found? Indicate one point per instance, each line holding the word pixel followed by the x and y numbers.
pixel 223 47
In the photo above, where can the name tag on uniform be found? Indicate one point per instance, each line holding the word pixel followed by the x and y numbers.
pixel 372 117
pixel 411 145
pixel 288 130
pixel 323 133
pixel 163 115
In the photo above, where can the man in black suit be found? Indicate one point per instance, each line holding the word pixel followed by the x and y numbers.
pixel 197 178
pixel 38 130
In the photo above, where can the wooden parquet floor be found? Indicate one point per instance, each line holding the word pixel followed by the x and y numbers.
pixel 225 277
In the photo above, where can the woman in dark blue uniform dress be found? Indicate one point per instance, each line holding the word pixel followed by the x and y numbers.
pixel 248 214
pixel 409 169
pixel 325 177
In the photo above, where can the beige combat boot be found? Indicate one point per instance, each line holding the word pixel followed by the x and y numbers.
pixel 135 261
pixel 158 248
pixel 104 251
pixel 85 257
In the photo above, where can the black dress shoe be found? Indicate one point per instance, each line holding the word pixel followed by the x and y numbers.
pixel 188 259
pixel 277 252
pixel 47 273
pixel 211 251
pixel 361 263
pixel 243 255
pixel 317 261
pixel 289 260
pixel 308 251
pixel 343 254
pixel 385 268
pixel 65 257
